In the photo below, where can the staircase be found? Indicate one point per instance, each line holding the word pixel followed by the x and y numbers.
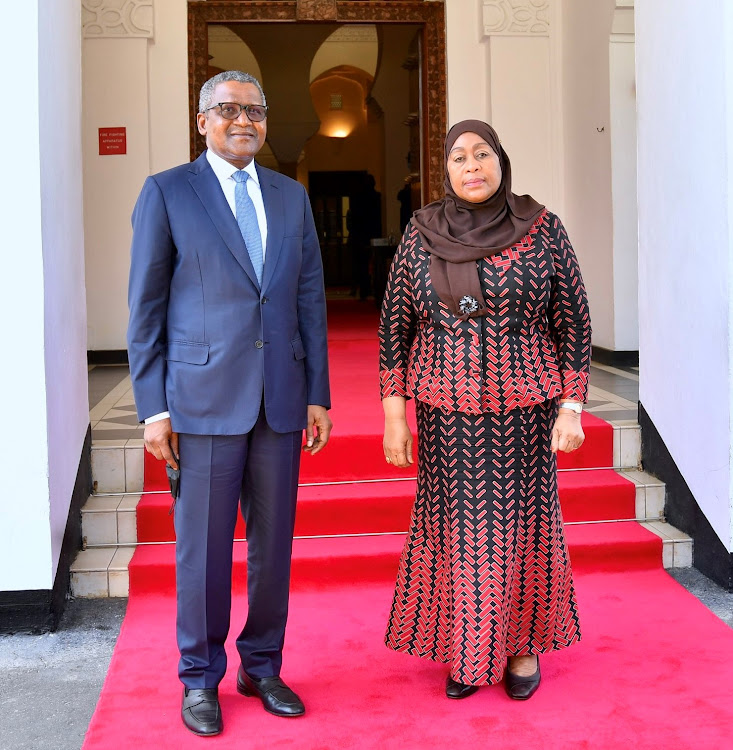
pixel 110 518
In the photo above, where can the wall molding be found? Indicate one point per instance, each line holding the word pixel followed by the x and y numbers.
pixel 113 19
pixel 516 17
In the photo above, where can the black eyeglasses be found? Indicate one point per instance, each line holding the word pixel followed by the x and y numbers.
pixel 232 110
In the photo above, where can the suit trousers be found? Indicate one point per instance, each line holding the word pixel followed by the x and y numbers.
pixel 260 469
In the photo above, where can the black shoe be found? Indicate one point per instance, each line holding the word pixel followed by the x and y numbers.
pixel 458 690
pixel 276 696
pixel 201 712
pixel 522 688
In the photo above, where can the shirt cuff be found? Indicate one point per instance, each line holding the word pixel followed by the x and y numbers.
pixel 158 417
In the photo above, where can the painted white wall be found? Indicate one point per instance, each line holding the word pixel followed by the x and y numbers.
pixel 521 111
pixel 168 77
pixel 142 85
pixel 42 329
pixel 685 181
pixel 588 213
pixel 62 228
pixel 115 93
pixel 468 62
pixel 623 180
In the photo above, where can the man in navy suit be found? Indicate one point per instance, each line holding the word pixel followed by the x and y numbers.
pixel 229 363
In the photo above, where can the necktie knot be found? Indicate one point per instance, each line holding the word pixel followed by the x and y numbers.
pixel 240 176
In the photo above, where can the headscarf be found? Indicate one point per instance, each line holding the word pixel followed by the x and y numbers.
pixel 457 232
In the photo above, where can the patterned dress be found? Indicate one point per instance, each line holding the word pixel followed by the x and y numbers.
pixel 485 571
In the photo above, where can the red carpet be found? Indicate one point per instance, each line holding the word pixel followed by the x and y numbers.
pixel 655 667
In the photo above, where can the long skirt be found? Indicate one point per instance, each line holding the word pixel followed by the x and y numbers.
pixel 485 572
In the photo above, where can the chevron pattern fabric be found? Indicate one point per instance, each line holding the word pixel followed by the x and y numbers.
pixel 533 345
pixel 485 571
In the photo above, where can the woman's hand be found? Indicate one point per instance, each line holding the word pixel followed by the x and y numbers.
pixel 397 436
pixel 397 442
pixel 567 434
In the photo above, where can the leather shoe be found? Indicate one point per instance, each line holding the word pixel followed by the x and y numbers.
pixel 522 688
pixel 458 690
pixel 201 712
pixel 276 696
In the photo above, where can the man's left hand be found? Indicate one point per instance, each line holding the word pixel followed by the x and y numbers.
pixel 318 430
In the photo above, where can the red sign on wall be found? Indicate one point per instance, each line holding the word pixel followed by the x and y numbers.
pixel 112 141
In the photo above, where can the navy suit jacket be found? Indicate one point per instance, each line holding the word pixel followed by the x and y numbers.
pixel 204 340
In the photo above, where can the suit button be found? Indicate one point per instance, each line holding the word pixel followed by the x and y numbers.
pixel 265 300
pixel 258 344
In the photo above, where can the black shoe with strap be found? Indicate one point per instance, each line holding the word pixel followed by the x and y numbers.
pixel 276 696
pixel 522 688
pixel 458 690
pixel 201 712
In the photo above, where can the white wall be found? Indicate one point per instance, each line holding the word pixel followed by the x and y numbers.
pixel 25 550
pixel 142 85
pixel 623 172
pixel 588 214
pixel 468 62
pixel 63 255
pixel 42 329
pixel 685 180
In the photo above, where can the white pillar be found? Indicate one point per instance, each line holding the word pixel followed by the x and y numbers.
pixel 623 178
pixel 42 315
pixel 684 63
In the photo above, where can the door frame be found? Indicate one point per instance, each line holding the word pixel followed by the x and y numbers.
pixel 430 16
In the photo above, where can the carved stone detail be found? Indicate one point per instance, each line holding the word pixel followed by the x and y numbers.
pixel 429 15
pixel 317 10
pixel 516 17
pixel 117 18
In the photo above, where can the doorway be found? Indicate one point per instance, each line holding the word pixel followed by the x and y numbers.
pixel 275 28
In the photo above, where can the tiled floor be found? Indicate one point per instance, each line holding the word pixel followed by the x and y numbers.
pixel 613 396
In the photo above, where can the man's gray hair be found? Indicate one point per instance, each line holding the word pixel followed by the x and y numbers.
pixel 206 97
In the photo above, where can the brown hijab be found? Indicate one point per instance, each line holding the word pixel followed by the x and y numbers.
pixel 457 232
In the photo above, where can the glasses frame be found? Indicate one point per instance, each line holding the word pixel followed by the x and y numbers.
pixel 242 107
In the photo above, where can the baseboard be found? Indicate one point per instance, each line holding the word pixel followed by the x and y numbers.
pixel 107 357
pixel 681 509
pixel 39 611
pixel 615 359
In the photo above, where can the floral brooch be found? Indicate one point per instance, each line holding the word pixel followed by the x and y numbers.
pixel 467 305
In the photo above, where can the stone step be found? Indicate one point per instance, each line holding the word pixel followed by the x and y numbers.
pixel 110 533
pixel 677 547
pixel 117 465
pixel 103 571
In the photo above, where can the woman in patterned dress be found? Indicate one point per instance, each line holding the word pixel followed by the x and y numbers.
pixel 485 324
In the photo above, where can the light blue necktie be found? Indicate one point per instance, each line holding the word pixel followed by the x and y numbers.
pixel 247 220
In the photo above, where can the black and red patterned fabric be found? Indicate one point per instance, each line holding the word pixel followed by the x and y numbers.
pixel 533 345
pixel 485 571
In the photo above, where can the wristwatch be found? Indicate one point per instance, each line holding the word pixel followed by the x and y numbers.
pixel 572 405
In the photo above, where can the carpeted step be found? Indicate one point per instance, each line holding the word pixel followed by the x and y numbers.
pixel 376 507
pixel 324 562
pixel 357 455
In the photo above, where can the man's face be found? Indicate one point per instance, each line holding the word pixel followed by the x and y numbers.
pixel 236 141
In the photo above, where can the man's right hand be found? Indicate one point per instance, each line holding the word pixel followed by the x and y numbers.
pixel 161 441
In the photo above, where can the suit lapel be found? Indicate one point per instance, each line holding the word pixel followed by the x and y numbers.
pixel 275 212
pixel 207 187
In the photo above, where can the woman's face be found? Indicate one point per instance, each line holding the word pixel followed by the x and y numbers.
pixel 473 168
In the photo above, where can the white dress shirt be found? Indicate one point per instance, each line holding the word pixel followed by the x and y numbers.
pixel 224 171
